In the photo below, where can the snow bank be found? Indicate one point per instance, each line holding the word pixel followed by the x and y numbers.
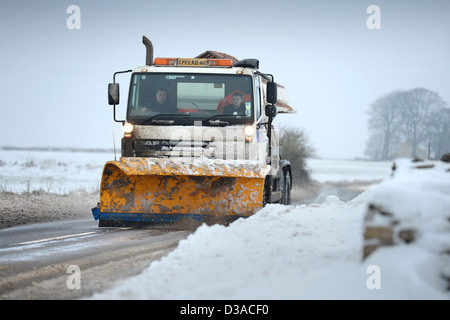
pixel 274 254
pixel 300 252
pixel 414 207
pixel 417 195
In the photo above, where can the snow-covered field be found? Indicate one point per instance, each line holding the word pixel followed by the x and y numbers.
pixel 332 170
pixel 283 252
pixel 58 172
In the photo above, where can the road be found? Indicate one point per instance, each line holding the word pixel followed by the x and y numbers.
pixel 74 259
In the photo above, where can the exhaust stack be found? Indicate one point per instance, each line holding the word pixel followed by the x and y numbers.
pixel 149 46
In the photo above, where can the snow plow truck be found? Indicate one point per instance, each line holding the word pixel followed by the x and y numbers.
pixel 198 143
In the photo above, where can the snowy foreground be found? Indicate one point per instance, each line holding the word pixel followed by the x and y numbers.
pixel 312 252
pixel 296 252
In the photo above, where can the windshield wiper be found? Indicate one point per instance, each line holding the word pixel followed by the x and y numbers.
pixel 163 121
pixel 219 122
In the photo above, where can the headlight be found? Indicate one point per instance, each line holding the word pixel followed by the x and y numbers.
pixel 249 131
pixel 127 129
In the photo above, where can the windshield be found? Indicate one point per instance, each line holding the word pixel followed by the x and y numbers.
pixel 156 98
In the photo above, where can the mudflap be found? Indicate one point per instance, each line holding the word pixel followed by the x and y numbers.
pixel 146 191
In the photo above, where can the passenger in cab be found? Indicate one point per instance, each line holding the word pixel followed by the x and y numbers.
pixel 237 106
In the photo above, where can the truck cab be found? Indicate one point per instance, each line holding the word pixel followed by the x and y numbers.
pixel 195 115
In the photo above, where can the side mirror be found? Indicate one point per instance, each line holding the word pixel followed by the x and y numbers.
pixel 113 94
pixel 271 92
pixel 271 110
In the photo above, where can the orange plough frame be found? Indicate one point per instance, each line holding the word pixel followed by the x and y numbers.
pixel 167 189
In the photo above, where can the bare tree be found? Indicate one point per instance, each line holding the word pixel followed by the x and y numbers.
pixel 416 117
pixel 374 146
pixel 296 147
pixel 385 123
pixel 439 132
pixel 418 107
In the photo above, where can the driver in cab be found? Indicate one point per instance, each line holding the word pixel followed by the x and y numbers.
pixel 160 103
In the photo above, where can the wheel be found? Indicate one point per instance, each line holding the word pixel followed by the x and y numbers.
pixel 266 192
pixel 286 188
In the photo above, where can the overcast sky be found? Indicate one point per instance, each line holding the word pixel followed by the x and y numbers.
pixel 53 83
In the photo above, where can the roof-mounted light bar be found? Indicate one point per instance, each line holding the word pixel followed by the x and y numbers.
pixel 220 62
pixel 165 62
pixel 197 62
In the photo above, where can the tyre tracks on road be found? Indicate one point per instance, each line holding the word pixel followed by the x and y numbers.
pixel 37 266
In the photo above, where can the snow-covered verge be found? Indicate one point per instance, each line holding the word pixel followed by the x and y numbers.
pixel 39 206
pixel 310 251
pixel 413 208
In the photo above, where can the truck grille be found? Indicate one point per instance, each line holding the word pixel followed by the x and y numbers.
pixel 167 148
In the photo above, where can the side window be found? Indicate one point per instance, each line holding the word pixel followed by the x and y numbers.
pixel 132 102
pixel 258 104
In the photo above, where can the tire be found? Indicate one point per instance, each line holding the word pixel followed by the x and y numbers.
pixel 286 188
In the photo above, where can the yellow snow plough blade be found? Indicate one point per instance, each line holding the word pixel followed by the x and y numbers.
pixel 166 189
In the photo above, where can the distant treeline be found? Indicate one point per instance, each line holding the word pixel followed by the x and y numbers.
pixel 56 149
pixel 409 123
